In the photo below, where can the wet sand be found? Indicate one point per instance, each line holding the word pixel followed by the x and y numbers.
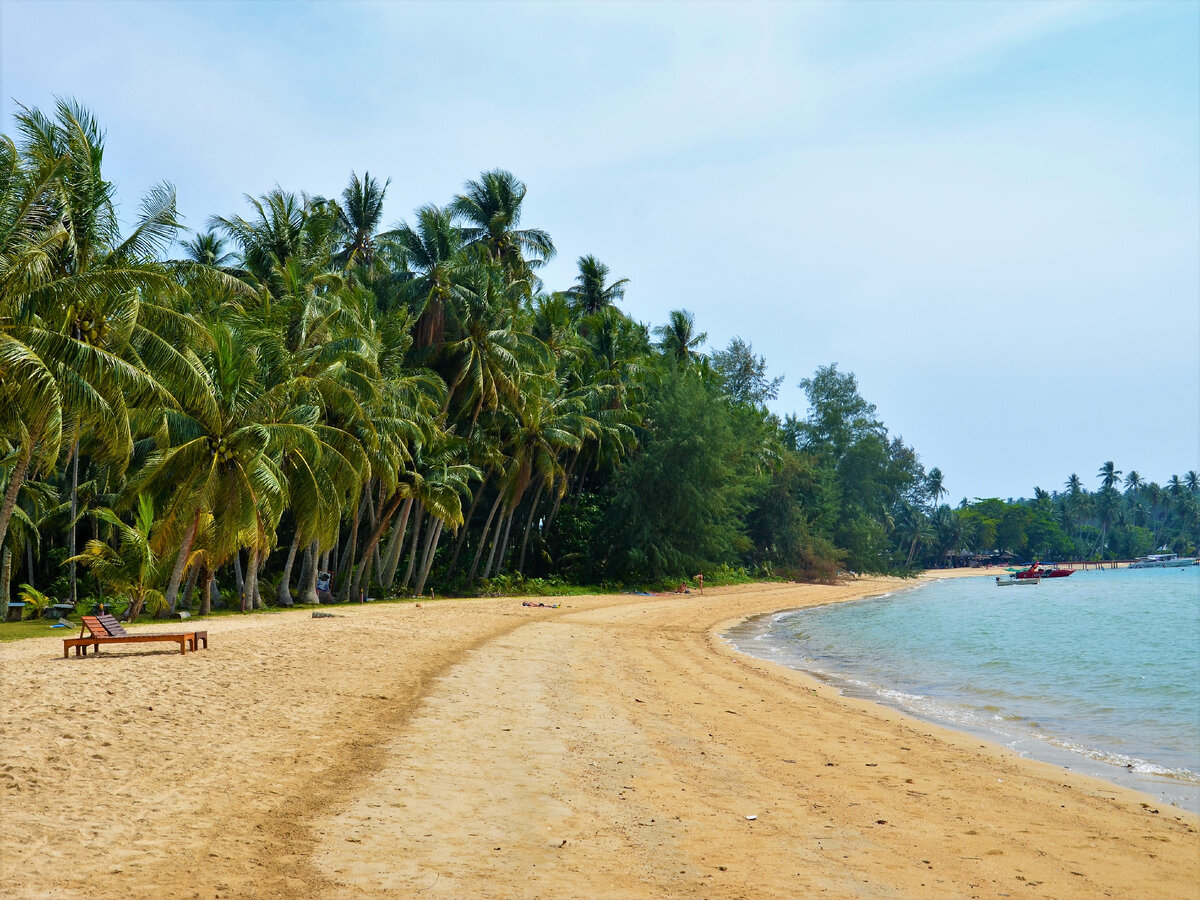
pixel 614 747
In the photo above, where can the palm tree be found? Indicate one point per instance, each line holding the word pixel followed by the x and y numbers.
pixel 678 339
pixel 433 250
pixel 934 485
pixel 208 249
pixel 1108 475
pixel 591 292
pixel 132 567
pixel 358 217
pixel 74 296
pixel 492 209
pixel 1133 482
pixel 1192 481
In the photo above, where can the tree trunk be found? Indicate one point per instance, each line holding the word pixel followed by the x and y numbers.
pixel 504 543
pixel 260 557
pixel 251 585
pixel 529 527
pixel 466 525
pixel 71 542
pixel 374 522
pixel 206 578
pixel 558 498
pixel 412 556
pixel 193 574
pixel 308 590
pixel 348 560
pixel 5 582
pixel 483 537
pixel 283 596
pixel 395 545
pixel 432 527
pixel 429 557
pixel 239 578
pixel 505 516
pixel 373 540
pixel 15 480
pixel 180 562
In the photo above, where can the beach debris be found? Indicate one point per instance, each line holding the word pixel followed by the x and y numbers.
pixel 324 615
pixel 751 818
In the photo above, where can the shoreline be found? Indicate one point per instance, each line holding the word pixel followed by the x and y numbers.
pixel 1155 787
pixel 613 747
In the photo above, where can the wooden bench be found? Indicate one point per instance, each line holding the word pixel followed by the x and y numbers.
pixel 104 629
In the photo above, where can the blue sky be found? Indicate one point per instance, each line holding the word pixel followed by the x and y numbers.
pixel 990 213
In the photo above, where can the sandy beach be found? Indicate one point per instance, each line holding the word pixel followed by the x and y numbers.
pixel 613 747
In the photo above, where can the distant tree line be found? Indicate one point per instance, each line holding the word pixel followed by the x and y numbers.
pixel 300 390
pixel 1120 519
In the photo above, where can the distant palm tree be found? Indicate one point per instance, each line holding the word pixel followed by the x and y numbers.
pixel 678 338
pixel 1133 481
pixel 1108 475
pixel 433 248
pixel 1074 485
pixel 358 217
pixel 208 249
pixel 1192 480
pixel 935 485
pixel 591 292
pixel 491 207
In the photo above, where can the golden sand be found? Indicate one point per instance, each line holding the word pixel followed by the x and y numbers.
pixel 613 747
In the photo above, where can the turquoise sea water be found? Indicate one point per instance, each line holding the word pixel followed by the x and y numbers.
pixel 1098 672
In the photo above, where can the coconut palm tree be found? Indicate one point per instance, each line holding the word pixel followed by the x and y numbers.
pixel 358 217
pixel 75 298
pixel 491 207
pixel 592 291
pixel 432 249
pixel 678 339
pixel 1108 475
pixel 1133 482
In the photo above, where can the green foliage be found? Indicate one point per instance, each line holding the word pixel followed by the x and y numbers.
pixel 676 507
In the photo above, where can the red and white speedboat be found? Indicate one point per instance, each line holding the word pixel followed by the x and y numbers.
pixel 1037 570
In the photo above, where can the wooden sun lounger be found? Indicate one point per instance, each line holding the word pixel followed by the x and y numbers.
pixel 104 629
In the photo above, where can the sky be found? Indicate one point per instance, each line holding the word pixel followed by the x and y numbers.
pixel 988 212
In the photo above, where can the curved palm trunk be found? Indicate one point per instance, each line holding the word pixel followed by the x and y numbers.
pixel 240 579
pixel 308 593
pixel 529 527
pixel 348 559
pixel 466 525
pixel 395 547
pixel 15 480
pixel 206 578
pixel 498 544
pixel 283 596
pixel 5 582
pixel 373 541
pixel 181 562
pixel 251 585
pixel 415 551
pixel 189 589
pixel 483 538
pixel 260 557
pixel 71 538
pixel 430 554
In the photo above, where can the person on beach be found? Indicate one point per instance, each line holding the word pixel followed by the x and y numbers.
pixel 699 579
